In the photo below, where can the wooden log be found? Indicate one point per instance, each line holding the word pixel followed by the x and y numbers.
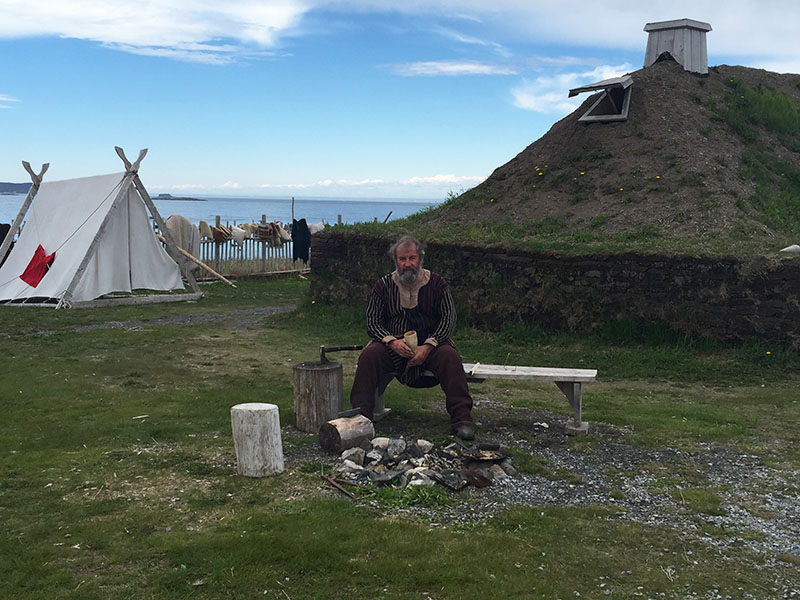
pixel 257 439
pixel 317 394
pixel 347 432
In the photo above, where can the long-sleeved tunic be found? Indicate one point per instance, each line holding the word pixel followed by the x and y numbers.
pixel 426 307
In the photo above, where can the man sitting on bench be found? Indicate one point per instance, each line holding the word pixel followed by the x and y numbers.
pixel 412 299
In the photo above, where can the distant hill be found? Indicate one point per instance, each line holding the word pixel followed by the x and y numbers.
pixel 14 188
pixel 702 163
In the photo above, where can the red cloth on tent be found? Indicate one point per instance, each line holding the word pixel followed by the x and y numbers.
pixel 38 267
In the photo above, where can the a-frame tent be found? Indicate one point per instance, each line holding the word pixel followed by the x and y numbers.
pixel 87 238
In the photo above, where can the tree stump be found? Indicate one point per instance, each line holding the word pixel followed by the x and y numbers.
pixel 348 432
pixel 317 394
pixel 257 439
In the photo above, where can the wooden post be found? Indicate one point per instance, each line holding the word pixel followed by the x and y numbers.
pixel 347 432
pixel 338 219
pixel 216 246
pixel 257 439
pixel 317 394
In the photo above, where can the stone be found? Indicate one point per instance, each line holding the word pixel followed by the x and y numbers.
pixel 374 456
pixel 349 466
pixel 420 479
pixel 508 467
pixel 450 478
pixel 424 445
pixel 414 451
pixel 497 473
pixel 385 477
pixel 396 447
pixel 380 442
pixel 354 454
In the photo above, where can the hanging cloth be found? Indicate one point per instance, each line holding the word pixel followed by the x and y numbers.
pixel 38 267
pixel 301 240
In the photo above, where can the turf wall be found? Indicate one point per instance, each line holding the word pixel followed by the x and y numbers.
pixel 721 297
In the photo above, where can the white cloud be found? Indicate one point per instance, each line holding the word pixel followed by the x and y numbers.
pixel 451 67
pixel 418 186
pixel 549 94
pixel 754 30
pixel 5 100
pixel 178 29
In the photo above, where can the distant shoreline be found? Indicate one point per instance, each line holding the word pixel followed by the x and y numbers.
pixel 179 198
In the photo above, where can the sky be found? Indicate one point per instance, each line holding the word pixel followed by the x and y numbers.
pixel 369 99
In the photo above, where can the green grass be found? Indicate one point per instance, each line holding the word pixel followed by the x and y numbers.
pixel 118 475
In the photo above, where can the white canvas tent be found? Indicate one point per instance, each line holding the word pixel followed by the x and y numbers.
pixel 103 242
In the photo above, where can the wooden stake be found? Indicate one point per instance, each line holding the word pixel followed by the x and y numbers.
pixel 199 262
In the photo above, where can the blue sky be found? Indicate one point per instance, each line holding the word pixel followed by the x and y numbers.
pixel 331 98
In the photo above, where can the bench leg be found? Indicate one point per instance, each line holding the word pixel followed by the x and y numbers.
pixel 572 390
pixel 380 410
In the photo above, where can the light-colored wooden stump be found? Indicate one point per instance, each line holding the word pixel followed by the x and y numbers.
pixel 317 394
pixel 347 432
pixel 257 439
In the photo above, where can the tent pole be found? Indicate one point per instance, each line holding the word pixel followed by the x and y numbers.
pixel 37 180
pixel 133 169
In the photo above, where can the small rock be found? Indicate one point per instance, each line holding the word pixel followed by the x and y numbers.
pixel 354 454
pixel 497 472
pixel 374 456
pixel 450 479
pixel 414 451
pixel 419 479
pixel 508 467
pixel 380 442
pixel 396 447
pixel 424 445
pixel 349 465
pixel 386 477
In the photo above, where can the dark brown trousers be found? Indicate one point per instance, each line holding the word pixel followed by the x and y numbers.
pixel 375 365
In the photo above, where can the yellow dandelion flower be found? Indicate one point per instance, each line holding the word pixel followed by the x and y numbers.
pixel 540 173
pixel 313 302
pixel 582 172
pixel 768 352
pixel 658 176
pixel 620 189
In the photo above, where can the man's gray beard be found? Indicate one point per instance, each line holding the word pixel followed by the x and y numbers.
pixel 409 275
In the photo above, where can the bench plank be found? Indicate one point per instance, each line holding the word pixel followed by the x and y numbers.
pixel 530 373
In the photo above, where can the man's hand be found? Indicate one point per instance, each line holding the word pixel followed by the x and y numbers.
pixel 401 348
pixel 421 355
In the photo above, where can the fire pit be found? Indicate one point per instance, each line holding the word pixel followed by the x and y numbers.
pixel 400 463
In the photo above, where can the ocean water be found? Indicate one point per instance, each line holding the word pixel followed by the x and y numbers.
pixel 238 210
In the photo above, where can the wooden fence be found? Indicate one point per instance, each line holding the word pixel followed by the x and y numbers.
pixel 251 250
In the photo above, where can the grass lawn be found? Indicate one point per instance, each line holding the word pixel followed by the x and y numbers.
pixel 118 473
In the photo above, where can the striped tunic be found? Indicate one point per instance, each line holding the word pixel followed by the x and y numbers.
pixel 426 307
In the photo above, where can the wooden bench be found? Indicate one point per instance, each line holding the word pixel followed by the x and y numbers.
pixel 569 381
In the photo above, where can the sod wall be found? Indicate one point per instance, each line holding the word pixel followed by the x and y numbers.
pixel 720 298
